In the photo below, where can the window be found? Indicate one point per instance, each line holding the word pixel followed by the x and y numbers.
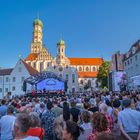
pixel 1 79
pixel 128 62
pixel 67 77
pixel 7 79
pixel 131 60
pixel 93 69
pixel 6 89
pixel 14 79
pixel 13 88
pixel 125 63
pixel 0 89
pixel 73 78
pixel 22 79
pixel 80 68
pixel 19 69
pixel 87 69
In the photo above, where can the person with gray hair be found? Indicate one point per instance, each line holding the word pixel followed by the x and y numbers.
pixel 35 129
pixel 129 121
pixel 21 126
pixel 6 124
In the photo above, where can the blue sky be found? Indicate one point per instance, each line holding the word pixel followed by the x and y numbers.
pixel 90 28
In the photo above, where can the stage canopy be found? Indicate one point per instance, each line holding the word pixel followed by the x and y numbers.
pixel 34 80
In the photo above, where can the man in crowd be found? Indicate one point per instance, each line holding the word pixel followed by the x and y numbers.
pixel 129 121
pixel 7 123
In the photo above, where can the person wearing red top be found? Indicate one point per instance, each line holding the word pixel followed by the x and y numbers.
pixel 100 125
pixel 35 129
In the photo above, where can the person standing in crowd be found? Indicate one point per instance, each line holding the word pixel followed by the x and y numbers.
pixel 71 131
pixel 129 122
pixel 6 124
pixel 86 125
pixel 47 121
pixel 35 129
pixel 103 109
pixel 58 111
pixel 3 108
pixel 21 126
pixel 75 112
pixel 100 124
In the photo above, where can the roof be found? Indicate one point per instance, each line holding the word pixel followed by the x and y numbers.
pixel 86 61
pixel 5 71
pixel 61 42
pixel 30 69
pixel 31 57
pixel 38 22
pixel 87 74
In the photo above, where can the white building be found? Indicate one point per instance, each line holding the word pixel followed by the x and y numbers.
pixel 132 66
pixel 11 80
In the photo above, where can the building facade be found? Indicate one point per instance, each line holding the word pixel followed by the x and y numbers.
pixel 117 62
pixel 11 80
pixel 40 59
pixel 132 66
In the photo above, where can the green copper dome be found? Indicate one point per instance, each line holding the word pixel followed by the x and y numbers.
pixel 61 42
pixel 38 22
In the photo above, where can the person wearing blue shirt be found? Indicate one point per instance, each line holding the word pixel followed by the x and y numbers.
pixel 129 121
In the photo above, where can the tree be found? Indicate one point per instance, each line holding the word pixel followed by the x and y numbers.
pixel 102 75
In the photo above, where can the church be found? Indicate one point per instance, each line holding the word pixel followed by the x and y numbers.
pixel 41 59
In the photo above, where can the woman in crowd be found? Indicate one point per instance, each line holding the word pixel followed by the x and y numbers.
pixel 86 126
pixel 100 124
pixel 71 131
pixel 35 129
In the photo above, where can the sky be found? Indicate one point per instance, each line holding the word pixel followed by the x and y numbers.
pixel 90 28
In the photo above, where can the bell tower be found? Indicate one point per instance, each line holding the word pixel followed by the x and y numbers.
pixel 61 59
pixel 36 45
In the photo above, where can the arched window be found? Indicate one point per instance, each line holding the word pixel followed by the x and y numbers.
pixel 80 68
pixel 93 69
pixel 87 69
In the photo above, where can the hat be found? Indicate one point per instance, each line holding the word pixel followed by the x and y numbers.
pixel 126 103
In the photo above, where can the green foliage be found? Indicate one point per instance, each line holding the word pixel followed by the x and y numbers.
pixel 102 75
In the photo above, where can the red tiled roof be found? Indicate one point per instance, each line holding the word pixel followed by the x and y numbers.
pixel 87 74
pixel 31 57
pixel 86 61
pixel 30 69
pixel 5 71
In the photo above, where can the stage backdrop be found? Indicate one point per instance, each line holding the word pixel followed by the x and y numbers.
pixel 51 85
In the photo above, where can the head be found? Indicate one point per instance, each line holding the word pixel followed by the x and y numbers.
pixel 3 102
pixel 100 122
pixel 22 124
pixel 126 103
pixel 116 103
pixel 73 103
pixel 86 105
pixel 34 119
pixel 103 108
pixel 71 131
pixel 10 110
pixel 49 105
pixel 86 117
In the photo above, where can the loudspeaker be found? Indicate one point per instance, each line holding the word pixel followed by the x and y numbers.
pixel 24 86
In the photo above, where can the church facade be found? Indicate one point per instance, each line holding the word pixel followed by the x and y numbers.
pixel 41 59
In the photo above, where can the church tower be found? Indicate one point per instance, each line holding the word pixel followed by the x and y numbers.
pixel 36 45
pixel 61 59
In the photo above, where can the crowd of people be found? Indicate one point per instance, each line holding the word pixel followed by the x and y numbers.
pixel 80 116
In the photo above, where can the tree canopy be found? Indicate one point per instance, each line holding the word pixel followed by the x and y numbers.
pixel 102 75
